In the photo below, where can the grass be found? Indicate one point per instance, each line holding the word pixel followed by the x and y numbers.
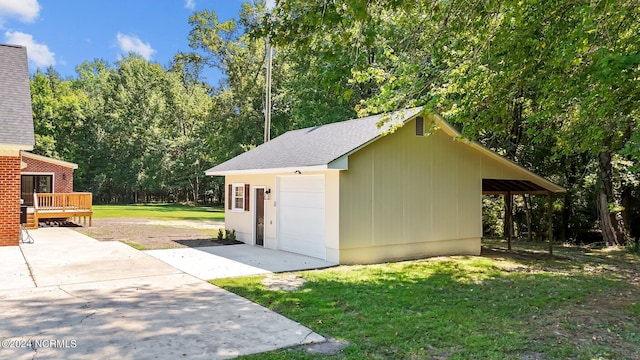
pixel 580 304
pixel 159 212
pixel 134 245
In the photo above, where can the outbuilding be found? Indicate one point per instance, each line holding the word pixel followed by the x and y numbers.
pixel 386 187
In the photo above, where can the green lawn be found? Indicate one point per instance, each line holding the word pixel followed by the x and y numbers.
pixel 580 304
pixel 162 212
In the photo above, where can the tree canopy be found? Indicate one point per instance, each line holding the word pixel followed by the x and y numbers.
pixel 552 85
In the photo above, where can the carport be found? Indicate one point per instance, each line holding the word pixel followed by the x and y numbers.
pixel 508 188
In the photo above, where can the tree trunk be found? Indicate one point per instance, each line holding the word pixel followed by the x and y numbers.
pixel 508 218
pixel 611 222
pixel 627 204
pixel 567 210
pixel 526 199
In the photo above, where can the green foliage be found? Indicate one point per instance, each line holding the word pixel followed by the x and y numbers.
pixel 634 247
pixel 551 86
pixel 137 131
pixel 220 234
pixel 230 235
pixel 492 210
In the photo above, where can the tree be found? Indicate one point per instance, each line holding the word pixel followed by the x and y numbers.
pixel 516 76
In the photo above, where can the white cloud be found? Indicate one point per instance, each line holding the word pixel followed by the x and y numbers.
pixel 25 10
pixel 38 53
pixel 190 4
pixel 132 43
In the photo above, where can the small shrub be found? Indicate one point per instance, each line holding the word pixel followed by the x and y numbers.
pixel 231 235
pixel 220 234
pixel 634 247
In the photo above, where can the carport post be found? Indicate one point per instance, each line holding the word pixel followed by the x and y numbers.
pixel 550 221
pixel 508 217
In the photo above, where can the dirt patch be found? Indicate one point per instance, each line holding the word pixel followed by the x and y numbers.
pixel 329 347
pixel 597 321
pixel 286 282
pixel 154 234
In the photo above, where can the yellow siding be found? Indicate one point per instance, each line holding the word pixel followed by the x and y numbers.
pixel 406 196
pixel 493 169
pixel 356 210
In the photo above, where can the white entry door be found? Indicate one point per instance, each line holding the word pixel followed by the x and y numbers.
pixel 300 214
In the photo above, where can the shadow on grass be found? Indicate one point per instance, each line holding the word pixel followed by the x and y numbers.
pixel 454 308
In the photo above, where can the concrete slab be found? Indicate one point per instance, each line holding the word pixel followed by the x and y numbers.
pixel 14 272
pixel 105 314
pixel 63 256
pixel 214 262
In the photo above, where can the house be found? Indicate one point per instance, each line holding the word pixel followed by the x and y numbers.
pixel 43 174
pixel 47 191
pixel 16 135
pixel 354 192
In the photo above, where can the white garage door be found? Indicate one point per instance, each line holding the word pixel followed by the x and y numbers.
pixel 300 214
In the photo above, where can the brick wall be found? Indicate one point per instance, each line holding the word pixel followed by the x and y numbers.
pixel 9 200
pixel 62 178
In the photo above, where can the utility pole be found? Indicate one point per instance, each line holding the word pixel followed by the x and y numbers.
pixel 267 110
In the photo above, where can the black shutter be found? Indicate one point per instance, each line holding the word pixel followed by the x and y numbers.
pixel 230 197
pixel 246 197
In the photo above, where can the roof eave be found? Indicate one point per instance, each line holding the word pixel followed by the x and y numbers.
pixel 51 160
pixel 292 169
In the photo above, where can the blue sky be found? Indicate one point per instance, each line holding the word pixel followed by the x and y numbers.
pixel 65 33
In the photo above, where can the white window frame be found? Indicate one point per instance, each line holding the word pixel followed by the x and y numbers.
pixel 234 198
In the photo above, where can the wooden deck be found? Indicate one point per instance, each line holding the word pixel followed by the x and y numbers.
pixel 63 206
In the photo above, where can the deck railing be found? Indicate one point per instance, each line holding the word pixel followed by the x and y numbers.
pixel 63 206
pixel 63 201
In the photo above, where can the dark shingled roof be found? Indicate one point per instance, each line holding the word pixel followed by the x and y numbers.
pixel 314 146
pixel 16 119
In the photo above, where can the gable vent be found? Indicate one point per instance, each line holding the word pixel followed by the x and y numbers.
pixel 419 126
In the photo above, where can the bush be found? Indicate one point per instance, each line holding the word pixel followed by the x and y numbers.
pixel 634 247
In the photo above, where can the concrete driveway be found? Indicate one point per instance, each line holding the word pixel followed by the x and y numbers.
pixel 214 262
pixel 78 298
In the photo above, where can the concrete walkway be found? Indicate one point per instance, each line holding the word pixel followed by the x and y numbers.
pixel 214 262
pixel 91 299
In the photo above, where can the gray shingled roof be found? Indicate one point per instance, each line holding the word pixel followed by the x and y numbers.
pixel 314 146
pixel 16 119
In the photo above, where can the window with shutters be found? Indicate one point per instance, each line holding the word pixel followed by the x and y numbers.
pixel 238 197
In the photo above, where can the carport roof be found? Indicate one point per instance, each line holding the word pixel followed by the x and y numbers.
pixel 501 186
